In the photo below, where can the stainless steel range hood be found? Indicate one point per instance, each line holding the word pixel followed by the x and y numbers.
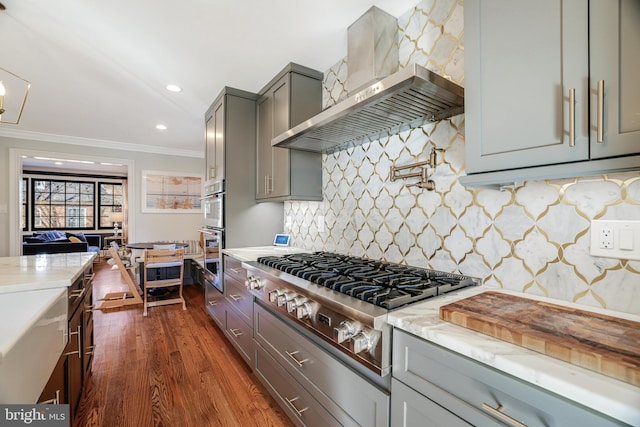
pixel 405 99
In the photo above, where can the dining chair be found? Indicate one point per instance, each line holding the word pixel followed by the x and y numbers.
pixel 163 257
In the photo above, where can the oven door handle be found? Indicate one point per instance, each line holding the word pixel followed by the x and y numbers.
pixel 295 359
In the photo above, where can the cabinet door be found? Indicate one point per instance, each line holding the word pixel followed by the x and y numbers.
pixel 214 153
pixel 522 61
pixel 74 361
pixel 615 89
pixel 281 123
pixel 411 409
pixel 264 151
pixel 55 391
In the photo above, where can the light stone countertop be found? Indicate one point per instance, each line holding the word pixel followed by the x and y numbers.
pixel 32 272
pixel 252 254
pixel 609 396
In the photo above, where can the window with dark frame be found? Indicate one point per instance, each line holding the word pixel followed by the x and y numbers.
pixel 109 201
pixel 62 204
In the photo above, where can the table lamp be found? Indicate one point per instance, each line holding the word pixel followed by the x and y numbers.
pixel 116 217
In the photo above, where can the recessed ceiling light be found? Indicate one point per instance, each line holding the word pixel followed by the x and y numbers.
pixel 173 88
pixel 161 127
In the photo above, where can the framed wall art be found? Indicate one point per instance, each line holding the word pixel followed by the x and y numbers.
pixel 171 192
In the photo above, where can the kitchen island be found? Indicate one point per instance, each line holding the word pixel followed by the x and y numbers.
pixel 35 304
pixel 601 393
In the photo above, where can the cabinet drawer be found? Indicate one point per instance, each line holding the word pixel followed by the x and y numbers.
pixel 350 398
pixel 240 334
pixel 215 302
pixel 294 399
pixel 233 268
pixel 239 296
pixel 425 366
pixel 411 409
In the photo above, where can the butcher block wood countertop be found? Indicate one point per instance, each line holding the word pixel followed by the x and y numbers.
pixel 618 399
pixel 605 344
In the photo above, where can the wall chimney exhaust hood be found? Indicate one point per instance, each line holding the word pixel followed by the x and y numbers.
pixel 405 99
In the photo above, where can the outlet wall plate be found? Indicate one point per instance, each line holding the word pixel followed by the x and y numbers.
pixel 615 239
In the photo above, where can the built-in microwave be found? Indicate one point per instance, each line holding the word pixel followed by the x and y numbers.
pixel 213 207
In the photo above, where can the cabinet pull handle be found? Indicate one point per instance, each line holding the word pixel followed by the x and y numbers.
pixel 79 293
pixel 91 350
pixel 497 412
pixel 295 359
pixel 235 270
pixel 213 303
pixel 298 411
pixel 600 137
pixel 78 333
pixel 235 297
pixel 89 277
pixel 572 117
pixel 54 401
pixel 236 332
pixel 212 172
pixel 266 185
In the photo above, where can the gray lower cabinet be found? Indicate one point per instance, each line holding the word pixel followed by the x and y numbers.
pixel 238 308
pixel 293 96
pixel 309 382
pixel 426 375
pixel 554 101
pixel 410 408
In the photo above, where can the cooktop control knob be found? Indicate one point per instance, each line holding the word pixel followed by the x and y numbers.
pixel 273 295
pixel 345 330
pixel 362 341
pixel 285 297
pixel 294 303
pixel 253 282
pixel 303 310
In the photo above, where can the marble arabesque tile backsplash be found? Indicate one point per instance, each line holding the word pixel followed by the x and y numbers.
pixel 532 238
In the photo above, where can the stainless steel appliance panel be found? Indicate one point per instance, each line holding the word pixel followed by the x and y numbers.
pixel 213 206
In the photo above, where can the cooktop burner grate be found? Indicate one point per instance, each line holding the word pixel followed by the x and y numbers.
pixel 381 283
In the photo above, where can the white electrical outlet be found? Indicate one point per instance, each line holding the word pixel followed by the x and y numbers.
pixel 615 239
pixel 606 237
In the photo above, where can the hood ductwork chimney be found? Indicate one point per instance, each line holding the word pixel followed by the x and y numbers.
pixel 372 49
pixel 381 100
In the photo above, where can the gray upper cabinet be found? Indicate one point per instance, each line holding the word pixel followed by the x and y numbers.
pixel 293 96
pixel 531 89
pixel 522 60
pixel 614 41
pixel 214 137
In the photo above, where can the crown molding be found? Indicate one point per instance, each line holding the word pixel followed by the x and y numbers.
pixel 98 143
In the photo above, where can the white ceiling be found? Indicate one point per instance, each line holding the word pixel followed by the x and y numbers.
pixel 98 68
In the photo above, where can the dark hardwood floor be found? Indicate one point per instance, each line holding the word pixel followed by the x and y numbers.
pixel 172 368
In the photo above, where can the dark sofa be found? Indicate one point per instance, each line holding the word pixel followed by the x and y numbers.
pixel 56 242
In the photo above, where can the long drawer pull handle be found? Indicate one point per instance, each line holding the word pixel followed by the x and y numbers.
pixel 235 297
pixel 572 117
pixel 236 332
pixel 213 303
pixel 298 411
pixel 78 294
pixel 497 412
pixel 295 359
pixel 600 137
pixel 89 277
pixel 54 401
pixel 235 270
